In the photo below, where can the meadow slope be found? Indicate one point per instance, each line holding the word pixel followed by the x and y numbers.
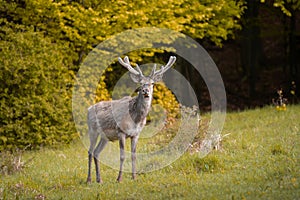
pixel 259 159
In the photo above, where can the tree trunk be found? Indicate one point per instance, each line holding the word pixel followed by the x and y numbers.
pixel 251 48
pixel 292 49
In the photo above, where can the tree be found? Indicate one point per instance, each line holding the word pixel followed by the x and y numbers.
pixel 251 39
pixel 251 44
pixel 290 8
pixel 68 31
pixel 81 25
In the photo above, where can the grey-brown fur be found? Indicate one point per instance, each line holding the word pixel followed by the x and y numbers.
pixel 123 118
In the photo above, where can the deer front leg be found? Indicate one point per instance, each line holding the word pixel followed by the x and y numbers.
pixel 122 155
pixel 133 155
pixel 97 151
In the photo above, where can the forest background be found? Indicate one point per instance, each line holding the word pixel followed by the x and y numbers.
pixel 255 45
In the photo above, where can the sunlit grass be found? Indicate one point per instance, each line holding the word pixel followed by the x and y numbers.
pixel 259 159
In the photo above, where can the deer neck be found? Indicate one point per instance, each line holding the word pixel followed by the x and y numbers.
pixel 140 107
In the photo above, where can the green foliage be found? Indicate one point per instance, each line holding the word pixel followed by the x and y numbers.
pixel 101 91
pixel 43 43
pixel 81 25
pixel 214 20
pixel 286 6
pixel 35 101
pixel 166 99
pixel 208 164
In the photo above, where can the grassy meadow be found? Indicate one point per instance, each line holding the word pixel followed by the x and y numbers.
pixel 258 159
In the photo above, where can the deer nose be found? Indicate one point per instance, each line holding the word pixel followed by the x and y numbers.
pixel 145 90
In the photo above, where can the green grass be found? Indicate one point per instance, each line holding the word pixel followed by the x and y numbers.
pixel 259 159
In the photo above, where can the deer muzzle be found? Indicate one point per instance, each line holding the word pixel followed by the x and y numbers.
pixel 145 92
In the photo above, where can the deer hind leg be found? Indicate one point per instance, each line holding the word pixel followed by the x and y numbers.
pixel 93 140
pixel 97 152
pixel 122 155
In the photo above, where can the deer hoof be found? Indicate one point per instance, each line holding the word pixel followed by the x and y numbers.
pixel 88 181
pixel 99 181
pixel 133 177
pixel 119 179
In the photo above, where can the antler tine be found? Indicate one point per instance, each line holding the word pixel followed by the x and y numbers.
pixel 167 66
pixel 126 59
pixel 127 65
pixel 153 71
pixel 139 70
pixel 171 60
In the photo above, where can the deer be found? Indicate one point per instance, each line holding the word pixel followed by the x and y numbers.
pixel 123 118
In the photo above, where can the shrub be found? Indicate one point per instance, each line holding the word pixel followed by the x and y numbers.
pixel 166 99
pixel 209 163
pixel 35 90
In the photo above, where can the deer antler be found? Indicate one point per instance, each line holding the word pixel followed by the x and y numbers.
pixel 127 65
pixel 163 69
pixel 157 75
pixel 137 74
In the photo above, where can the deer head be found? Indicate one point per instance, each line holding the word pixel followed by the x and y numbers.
pixel 147 82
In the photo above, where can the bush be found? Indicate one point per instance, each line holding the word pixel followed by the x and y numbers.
pixel 209 163
pixel 166 99
pixel 35 90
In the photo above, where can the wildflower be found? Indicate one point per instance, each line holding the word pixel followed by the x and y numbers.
pixel 280 102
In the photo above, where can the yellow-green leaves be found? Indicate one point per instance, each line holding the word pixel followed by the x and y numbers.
pixel 35 100
pixel 286 6
pixel 43 43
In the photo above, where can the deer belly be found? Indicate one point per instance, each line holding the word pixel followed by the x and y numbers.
pixel 110 134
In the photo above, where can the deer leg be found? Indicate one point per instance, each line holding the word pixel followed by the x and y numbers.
pixel 89 179
pixel 93 139
pixel 97 151
pixel 122 155
pixel 133 155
